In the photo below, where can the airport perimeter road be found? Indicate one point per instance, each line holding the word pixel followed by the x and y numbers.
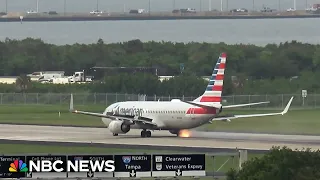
pixel 224 140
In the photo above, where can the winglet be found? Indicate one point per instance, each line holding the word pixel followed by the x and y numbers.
pixel 287 107
pixel 71 103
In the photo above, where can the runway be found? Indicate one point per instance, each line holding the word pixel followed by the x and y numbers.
pixel 222 140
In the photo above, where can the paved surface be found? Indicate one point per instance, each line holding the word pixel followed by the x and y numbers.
pixel 154 16
pixel 222 140
pixel 198 129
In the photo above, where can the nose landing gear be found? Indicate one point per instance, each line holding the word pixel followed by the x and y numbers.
pixel 145 133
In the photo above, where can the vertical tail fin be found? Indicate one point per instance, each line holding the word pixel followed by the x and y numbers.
pixel 214 89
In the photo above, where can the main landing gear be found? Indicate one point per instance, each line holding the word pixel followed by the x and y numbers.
pixel 115 134
pixel 145 133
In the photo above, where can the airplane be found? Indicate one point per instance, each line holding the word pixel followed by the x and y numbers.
pixel 175 115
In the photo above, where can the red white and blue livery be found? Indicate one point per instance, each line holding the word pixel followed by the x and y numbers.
pixel 174 115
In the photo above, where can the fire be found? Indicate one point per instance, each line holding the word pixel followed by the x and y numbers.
pixel 184 133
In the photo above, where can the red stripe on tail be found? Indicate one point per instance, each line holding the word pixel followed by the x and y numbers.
pixel 210 99
pixel 222 66
pixel 217 88
pixel 219 77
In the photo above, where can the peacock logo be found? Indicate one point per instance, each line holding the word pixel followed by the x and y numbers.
pixel 18 166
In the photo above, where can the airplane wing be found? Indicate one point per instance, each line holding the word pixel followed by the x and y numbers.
pixel 229 117
pixel 125 118
pixel 242 105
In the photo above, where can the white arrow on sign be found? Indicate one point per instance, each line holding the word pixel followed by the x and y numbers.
pixel 178 173
pixel 90 174
pixel 132 174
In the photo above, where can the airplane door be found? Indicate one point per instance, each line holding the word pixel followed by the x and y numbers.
pixel 191 115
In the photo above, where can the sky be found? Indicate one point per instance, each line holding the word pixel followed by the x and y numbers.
pixel 156 5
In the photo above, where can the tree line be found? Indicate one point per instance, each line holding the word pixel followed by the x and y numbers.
pixel 288 67
pixel 280 164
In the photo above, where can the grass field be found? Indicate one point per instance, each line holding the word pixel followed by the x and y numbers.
pixel 296 121
pixel 34 149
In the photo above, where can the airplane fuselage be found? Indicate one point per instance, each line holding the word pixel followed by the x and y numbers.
pixel 174 115
pixel 166 114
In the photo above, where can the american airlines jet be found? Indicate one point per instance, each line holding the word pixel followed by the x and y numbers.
pixel 175 115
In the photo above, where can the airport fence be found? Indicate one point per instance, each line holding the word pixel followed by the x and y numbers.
pixel 276 101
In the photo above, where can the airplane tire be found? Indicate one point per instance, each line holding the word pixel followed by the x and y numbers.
pixel 115 134
pixel 143 134
pixel 148 133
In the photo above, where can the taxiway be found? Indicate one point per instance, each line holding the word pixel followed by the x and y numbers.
pixel 223 140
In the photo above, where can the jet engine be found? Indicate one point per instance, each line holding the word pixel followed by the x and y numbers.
pixel 118 127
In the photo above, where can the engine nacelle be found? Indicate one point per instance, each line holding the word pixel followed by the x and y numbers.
pixel 118 127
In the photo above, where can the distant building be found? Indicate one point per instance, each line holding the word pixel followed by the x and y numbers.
pixel 8 79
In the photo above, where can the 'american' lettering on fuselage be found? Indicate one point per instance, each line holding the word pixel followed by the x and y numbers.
pixel 129 111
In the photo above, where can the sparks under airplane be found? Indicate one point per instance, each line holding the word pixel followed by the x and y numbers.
pixel 174 115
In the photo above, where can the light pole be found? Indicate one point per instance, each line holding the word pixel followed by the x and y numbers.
pixel 174 4
pixel 97 5
pixel 64 7
pixel 149 7
pixel 6 6
pixel 253 8
pixel 306 4
pixel 37 6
